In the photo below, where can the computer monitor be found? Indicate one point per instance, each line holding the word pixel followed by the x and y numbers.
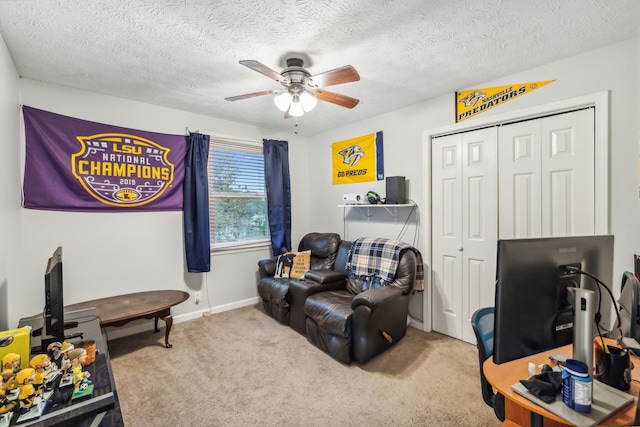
pixel 54 302
pixel 533 311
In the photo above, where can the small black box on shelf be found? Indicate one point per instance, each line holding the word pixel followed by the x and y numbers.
pixel 396 190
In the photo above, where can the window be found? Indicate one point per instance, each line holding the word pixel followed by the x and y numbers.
pixel 237 198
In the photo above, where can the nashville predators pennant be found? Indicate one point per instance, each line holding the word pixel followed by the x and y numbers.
pixel 475 101
pixel 358 159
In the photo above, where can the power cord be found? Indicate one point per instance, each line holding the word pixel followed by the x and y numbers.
pixel 569 269
pixel 406 222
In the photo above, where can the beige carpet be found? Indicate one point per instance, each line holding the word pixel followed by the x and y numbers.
pixel 242 368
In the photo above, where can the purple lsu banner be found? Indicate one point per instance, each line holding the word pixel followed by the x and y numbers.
pixel 77 165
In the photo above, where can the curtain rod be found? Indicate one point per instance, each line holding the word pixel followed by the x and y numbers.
pixel 228 138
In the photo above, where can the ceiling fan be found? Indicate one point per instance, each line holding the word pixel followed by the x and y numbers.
pixel 302 90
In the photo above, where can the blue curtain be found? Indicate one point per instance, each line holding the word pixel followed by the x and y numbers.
pixel 196 205
pixel 276 180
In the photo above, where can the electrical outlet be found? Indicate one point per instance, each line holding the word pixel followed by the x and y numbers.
pixel 197 296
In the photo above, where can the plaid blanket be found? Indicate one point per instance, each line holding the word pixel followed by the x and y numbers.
pixel 375 261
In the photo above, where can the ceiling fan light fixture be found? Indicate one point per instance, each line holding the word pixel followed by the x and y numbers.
pixel 283 101
pixel 301 90
pixel 308 101
pixel 296 109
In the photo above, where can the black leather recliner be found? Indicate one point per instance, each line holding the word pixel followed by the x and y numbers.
pixel 351 325
pixel 275 292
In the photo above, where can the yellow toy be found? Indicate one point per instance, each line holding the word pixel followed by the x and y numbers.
pixel 8 382
pixel 41 363
pixel 78 356
pixel 58 354
pixel 55 355
pixel 11 361
pixel 12 385
pixel 27 393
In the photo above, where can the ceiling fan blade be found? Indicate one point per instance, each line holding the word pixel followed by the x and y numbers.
pixel 263 69
pixel 338 76
pixel 336 98
pixel 248 95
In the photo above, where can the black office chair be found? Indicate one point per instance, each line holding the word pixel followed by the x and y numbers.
pixel 482 323
pixel 629 300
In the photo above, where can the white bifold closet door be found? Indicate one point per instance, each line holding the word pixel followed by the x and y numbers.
pixel 464 205
pixel 529 179
pixel 547 172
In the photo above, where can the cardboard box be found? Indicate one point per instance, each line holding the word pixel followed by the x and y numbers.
pixel 16 341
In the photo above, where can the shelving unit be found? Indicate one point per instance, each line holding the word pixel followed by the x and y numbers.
pixel 391 209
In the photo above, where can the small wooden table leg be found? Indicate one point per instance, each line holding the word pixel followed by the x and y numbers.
pixel 169 321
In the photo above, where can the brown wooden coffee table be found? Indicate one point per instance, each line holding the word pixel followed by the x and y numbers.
pixel 122 309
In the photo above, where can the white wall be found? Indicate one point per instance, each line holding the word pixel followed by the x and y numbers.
pixel 107 254
pixel 614 69
pixel 10 188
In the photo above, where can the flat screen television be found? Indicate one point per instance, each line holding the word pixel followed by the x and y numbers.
pixel 54 301
pixel 533 311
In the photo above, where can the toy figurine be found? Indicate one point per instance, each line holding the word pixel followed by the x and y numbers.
pixel 27 393
pixel 8 385
pixel 8 382
pixel 41 363
pixel 57 353
pixel 78 356
pixel 65 349
pixel 11 361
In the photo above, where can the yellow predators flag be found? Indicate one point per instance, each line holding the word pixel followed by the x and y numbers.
pixel 475 101
pixel 358 159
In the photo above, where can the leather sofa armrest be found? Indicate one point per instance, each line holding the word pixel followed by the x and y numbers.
pixel 325 276
pixel 267 267
pixel 376 297
pixel 306 287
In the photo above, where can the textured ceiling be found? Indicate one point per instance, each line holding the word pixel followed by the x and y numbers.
pixel 184 54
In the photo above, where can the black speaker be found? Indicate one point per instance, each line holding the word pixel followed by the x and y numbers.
pixel 396 190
